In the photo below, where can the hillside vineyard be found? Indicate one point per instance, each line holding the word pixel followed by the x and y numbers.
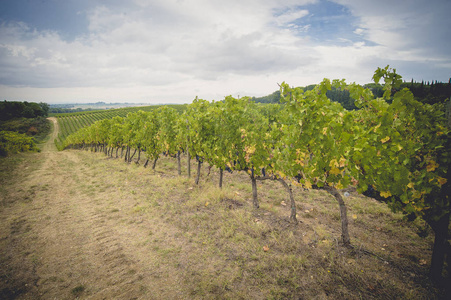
pixel 393 144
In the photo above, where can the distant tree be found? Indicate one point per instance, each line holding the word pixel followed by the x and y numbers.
pixel 272 98
pixel 342 97
pixel 45 109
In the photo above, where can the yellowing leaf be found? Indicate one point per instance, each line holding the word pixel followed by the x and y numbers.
pixel 207 203
pixel 333 163
pixel 342 162
pixel 386 139
pixel 339 185
pixel 300 162
pixel 282 175
pixel 417 195
pixel 250 149
pixel 410 185
pixel 377 126
pixel 431 166
pixel 307 184
pixel 324 130
pixel 334 171
pixel 418 208
pixel 441 180
pixel 385 194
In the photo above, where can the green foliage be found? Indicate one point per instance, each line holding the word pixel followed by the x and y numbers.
pixel 398 148
pixel 430 93
pixel 272 98
pixel 426 92
pixel 402 151
pixel 240 134
pixel 167 134
pixel 115 137
pixel 391 79
pixel 15 109
pixel 395 144
pixel 200 134
pixel 313 145
pixel 72 122
pixel 37 127
pixel 13 142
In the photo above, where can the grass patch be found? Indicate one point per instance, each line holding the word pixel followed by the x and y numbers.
pixel 237 252
pixel 78 290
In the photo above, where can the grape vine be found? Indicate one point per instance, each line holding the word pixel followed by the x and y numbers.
pixel 394 145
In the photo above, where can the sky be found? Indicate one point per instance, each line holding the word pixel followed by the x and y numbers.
pixel 170 51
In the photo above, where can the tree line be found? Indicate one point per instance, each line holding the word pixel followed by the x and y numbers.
pixel 392 144
pixel 16 109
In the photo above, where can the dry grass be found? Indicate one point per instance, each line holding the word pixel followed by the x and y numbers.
pixel 175 240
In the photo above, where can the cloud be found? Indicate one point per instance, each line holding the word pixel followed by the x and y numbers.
pixel 419 27
pixel 160 38
pixel 290 16
pixel 160 50
pixel 359 31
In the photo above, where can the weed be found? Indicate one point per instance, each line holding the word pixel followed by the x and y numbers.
pixel 78 290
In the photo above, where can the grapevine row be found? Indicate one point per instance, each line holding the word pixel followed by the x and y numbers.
pixel 69 123
pixel 398 147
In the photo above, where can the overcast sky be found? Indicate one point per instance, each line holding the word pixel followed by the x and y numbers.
pixel 170 51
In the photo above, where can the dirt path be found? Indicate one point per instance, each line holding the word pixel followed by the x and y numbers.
pixel 50 145
pixel 71 230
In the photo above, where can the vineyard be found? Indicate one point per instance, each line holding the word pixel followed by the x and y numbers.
pixel 393 147
pixel 72 122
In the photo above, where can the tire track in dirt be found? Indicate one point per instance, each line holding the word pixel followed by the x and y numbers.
pixel 114 268
pixel 80 247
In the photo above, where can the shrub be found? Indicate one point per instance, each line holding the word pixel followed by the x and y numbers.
pixel 12 142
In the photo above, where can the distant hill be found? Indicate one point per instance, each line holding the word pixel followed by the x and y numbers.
pixel 78 107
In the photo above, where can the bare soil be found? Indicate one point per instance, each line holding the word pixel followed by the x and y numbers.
pixel 76 224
